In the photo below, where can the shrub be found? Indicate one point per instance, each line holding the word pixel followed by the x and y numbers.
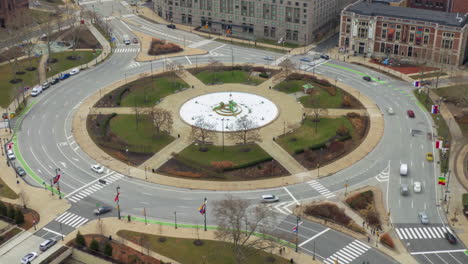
pixel 259 69
pixel 19 217
pixel 263 75
pixel 220 166
pixel 346 101
pixel 80 240
pixel 329 211
pixel 361 200
pixel 353 115
pixel 11 212
pixel 310 155
pixel 108 249
pixel 159 47
pixel 387 240
pixel 3 209
pixel 94 245
pixel 342 131
pixel 324 82
pixel 336 146
pixel 331 90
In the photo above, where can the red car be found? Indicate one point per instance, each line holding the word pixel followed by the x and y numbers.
pixel 410 113
pixel 135 40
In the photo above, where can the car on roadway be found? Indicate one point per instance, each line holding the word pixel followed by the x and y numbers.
pixel 367 78
pixel 171 26
pixel 423 218
pixel 269 58
pixel 28 258
pixel 450 238
pixel 20 171
pixel 102 210
pixel 64 76
pixel 312 64
pixel 305 59
pixel 390 111
pixel 404 169
pixel 74 71
pixel 54 81
pixel 269 198
pixel 426 82
pixel 410 113
pixel 37 90
pixel 404 189
pixel 325 57
pixel 97 168
pixel 47 244
pixel 417 186
pixel 430 156
pixel 45 85
pixel 135 41
pixel 11 155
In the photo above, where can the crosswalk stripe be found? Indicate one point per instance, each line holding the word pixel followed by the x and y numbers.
pixel 405 234
pixel 98 186
pixel 425 230
pixel 349 251
pixel 442 232
pixel 342 255
pixel 366 247
pixel 82 223
pixel 80 195
pixel 70 219
pixel 417 233
pixel 357 248
pixel 73 200
pixel 413 235
pixel 78 219
pixel 87 192
pixel 434 234
pixel 113 178
pixel 62 216
pixel 398 233
pixel 422 232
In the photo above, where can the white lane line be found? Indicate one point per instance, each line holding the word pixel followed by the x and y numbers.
pixel 53 232
pixel 82 223
pixel 277 207
pixel 441 259
pixel 188 59
pixel 62 216
pixel 310 239
pixel 437 252
pixel 454 258
pixel 290 194
pixel 428 259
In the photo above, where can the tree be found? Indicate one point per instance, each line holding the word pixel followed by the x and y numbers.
pixel 246 130
pixel 11 211
pixel 177 69
pixel 24 198
pixel 108 249
pixel 162 119
pixel 214 66
pixel 80 240
pixel 76 30
pixel 3 209
pixel 202 130
pixel 94 245
pixel 314 103
pixel 237 224
pixel 287 67
pixel 19 217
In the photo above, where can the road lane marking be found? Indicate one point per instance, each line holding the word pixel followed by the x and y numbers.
pixel 290 194
pixel 438 252
pixel 53 232
pixel 86 185
pixel 188 60
pixel 455 258
pixel 310 239
pixel 441 259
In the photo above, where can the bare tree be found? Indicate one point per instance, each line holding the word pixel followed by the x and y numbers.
pixel 238 224
pixel 214 66
pixel 100 226
pixel 76 30
pixel 202 130
pixel 24 198
pixel 177 69
pixel 287 67
pixel 316 109
pixel 246 130
pixel 162 119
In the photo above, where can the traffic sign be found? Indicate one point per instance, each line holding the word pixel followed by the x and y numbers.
pixel 112 39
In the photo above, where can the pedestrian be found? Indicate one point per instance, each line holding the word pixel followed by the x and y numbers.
pixel 281 250
pixel 363 223
pixel 368 239
pixel 178 135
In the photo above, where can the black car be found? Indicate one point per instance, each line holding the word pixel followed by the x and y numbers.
pixel 54 81
pixel 450 238
pixel 102 210
pixel 171 26
pixel 20 171
pixel 367 78
pixel 325 57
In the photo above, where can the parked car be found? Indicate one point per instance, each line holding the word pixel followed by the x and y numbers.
pixel 423 218
pixel 410 113
pixel 269 198
pixel 430 156
pixel 75 71
pixel 47 244
pixel 20 171
pixel 305 59
pixel 54 81
pixel 135 41
pixel 45 85
pixel 367 78
pixel 325 57
pixel 102 210
pixel 28 258
pixel 64 76
pixel 36 90
pixel 390 111
pixel 417 187
pixel 171 26
pixel 450 238
pixel 426 82
pixel 97 168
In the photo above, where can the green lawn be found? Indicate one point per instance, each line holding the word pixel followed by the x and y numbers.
pixel 235 154
pixel 64 64
pixel 324 98
pixel 141 138
pixel 427 75
pixel 153 90
pixel 306 137
pixel 6 191
pixel 275 42
pixel 252 46
pixel 456 91
pixel 30 78
pixel 235 76
pixel 184 250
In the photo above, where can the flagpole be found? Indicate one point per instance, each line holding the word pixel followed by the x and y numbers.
pixel 52 186
pixel 205 213
pixel 118 199
pixel 297 232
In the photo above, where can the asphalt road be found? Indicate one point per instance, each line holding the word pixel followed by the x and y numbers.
pixel 46 143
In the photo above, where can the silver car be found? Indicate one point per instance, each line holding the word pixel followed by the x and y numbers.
pixel 269 198
pixel 423 218
pixel 47 244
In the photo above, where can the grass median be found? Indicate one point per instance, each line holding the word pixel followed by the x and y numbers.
pixel 232 76
pixel 64 64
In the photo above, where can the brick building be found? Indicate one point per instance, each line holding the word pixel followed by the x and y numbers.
pixel 8 9
pixel 454 6
pixel 405 33
pixel 295 21
pixel 459 6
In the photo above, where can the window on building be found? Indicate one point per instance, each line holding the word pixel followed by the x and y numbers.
pixel 384 25
pixel 266 31
pixel 447 43
pixel 412 28
pixel 348 28
pixel 395 49
pixel 426 39
pixel 411 37
pixel 382 47
pixel 295 35
pixel 362 32
pixel 410 51
pixel 427 30
pixel 397 35
pixel 384 34
pixel 273 32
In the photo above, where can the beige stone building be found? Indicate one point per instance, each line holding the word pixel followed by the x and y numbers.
pixel 293 21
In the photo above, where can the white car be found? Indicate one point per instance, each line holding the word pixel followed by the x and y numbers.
pixel 268 58
pixel 97 168
pixel 74 71
pixel 269 198
pixel 29 257
pixel 11 154
pixel 417 187
pixel 390 111
pixel 36 90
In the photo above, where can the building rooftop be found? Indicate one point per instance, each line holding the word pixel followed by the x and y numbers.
pixel 377 9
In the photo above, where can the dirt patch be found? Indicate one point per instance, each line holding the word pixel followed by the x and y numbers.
pixel 377 203
pixel 31 217
pixel 404 68
pixel 363 204
pixel 86 39
pixel 159 47
pixel 11 53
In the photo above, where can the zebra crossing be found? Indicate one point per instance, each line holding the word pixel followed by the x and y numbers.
pixel 431 232
pixel 134 64
pixel 282 208
pixel 348 254
pixel 71 219
pixel 94 188
pixel 126 50
pixel 321 189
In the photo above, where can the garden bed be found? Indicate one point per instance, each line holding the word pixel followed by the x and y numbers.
pixel 243 74
pixel 160 47
pixel 363 203
pixel 30 217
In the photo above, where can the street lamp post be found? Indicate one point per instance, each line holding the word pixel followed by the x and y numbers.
pixel 175 219
pixel 57 173
pixel 222 131
pixel 118 201
pixel 61 232
pixel 297 233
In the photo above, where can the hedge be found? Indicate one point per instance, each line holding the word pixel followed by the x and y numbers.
pixel 106 123
pixel 249 164
pixel 119 98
